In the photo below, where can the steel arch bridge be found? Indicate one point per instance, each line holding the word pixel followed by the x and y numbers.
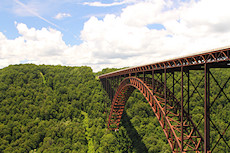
pixel 158 83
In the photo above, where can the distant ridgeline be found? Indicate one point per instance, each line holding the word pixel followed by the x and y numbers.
pixel 62 109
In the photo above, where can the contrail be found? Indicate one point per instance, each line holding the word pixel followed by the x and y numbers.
pixel 36 14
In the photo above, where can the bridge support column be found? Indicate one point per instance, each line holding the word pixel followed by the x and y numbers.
pixel 165 93
pixel 182 108
pixel 206 110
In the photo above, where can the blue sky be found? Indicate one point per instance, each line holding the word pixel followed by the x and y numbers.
pixel 109 33
pixel 70 26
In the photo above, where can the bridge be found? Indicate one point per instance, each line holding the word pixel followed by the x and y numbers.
pixel 169 88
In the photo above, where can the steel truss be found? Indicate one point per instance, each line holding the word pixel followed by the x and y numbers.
pixel 159 84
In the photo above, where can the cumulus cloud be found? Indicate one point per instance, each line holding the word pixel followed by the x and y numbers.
pixel 126 39
pixel 62 15
pixel 42 46
pixel 39 46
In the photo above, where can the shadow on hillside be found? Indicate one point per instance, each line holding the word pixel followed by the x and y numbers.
pixel 137 144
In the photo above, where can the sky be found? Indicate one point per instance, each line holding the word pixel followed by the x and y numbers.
pixel 109 33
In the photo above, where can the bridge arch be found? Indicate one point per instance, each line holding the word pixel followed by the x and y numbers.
pixel 166 111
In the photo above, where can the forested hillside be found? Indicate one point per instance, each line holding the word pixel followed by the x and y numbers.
pixel 62 109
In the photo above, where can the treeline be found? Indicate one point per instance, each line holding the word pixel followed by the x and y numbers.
pixel 63 109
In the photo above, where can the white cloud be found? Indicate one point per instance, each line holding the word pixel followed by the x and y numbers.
pixel 99 4
pixel 143 13
pixel 62 15
pixel 125 40
pixel 42 46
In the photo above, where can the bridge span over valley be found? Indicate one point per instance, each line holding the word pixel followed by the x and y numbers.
pixel 170 89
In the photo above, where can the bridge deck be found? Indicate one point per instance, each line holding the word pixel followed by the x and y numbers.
pixel 219 55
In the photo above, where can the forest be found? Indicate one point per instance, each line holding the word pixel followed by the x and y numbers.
pixel 46 108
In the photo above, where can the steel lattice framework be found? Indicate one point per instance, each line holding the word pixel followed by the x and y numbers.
pixel 157 83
